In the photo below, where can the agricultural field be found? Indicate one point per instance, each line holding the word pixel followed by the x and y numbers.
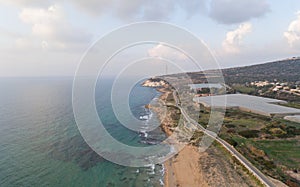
pixel 292 104
pixel 271 144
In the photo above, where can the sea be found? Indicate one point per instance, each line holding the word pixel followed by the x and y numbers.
pixel 40 144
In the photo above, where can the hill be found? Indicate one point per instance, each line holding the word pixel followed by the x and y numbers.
pixel 284 70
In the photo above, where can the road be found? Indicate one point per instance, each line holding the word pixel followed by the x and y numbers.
pixel 247 164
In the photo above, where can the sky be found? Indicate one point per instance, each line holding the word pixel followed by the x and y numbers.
pixel 49 38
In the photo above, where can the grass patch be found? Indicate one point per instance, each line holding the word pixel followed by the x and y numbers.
pixel 283 152
pixel 204 117
pixel 292 104
pixel 244 89
pixel 249 133
pixel 271 144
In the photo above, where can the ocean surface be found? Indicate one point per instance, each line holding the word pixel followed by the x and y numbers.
pixel 40 144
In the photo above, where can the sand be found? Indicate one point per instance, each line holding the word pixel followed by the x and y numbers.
pixel 189 168
pixel 183 169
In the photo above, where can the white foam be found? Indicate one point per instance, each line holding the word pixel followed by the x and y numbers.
pixel 152 167
pixel 146 134
pixel 145 117
pixel 161 182
pixel 172 149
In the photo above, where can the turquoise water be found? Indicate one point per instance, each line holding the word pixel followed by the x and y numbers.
pixel 40 144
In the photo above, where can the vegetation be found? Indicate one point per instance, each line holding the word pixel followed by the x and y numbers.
pixel 273 157
pixel 196 138
pixel 284 152
pixel 249 133
pixel 292 104
pixel 283 96
pixel 271 144
pixel 244 89
pixel 204 117
pixel 284 70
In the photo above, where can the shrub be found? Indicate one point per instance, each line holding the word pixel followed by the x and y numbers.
pixel 249 133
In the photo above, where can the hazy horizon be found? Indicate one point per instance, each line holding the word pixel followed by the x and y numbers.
pixel 49 38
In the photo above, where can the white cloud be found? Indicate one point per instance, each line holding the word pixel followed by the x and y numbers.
pixel 44 3
pixel 43 20
pixel 293 33
pixel 233 40
pixel 130 10
pixel 237 11
pixel 223 11
pixel 50 26
pixel 135 10
pixel 166 52
pixel 23 43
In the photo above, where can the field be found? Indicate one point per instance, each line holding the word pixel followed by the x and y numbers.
pixel 271 144
pixel 292 104
pixel 283 152
pixel 244 89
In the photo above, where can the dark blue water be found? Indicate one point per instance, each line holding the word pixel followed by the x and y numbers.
pixel 40 144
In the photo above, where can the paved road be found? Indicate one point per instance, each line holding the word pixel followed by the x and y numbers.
pixel 258 174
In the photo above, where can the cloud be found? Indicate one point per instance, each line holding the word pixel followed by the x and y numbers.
pixel 292 35
pixel 22 3
pixel 133 10
pixel 50 26
pixel 166 52
pixel 223 11
pixel 137 10
pixel 234 38
pixel 237 11
pixel 267 52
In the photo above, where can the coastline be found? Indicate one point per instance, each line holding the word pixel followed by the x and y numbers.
pixel 183 169
pixel 214 167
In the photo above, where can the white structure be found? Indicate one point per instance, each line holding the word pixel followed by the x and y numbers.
pixel 260 83
pixel 295 118
pixel 254 104
pixel 205 85
pixel 149 83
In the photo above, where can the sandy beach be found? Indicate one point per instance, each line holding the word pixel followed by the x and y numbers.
pixel 189 168
pixel 183 169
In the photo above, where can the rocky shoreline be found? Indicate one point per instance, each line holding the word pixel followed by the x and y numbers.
pixel 183 169
pixel 214 167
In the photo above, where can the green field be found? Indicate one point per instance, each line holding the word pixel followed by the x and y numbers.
pixel 244 89
pixel 283 152
pixel 271 144
pixel 292 104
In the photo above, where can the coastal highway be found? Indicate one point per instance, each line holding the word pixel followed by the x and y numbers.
pixel 247 164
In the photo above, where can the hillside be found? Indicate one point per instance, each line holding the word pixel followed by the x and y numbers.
pixel 282 79
pixel 283 70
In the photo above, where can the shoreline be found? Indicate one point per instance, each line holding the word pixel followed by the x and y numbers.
pixel 189 167
pixel 168 176
pixel 182 169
